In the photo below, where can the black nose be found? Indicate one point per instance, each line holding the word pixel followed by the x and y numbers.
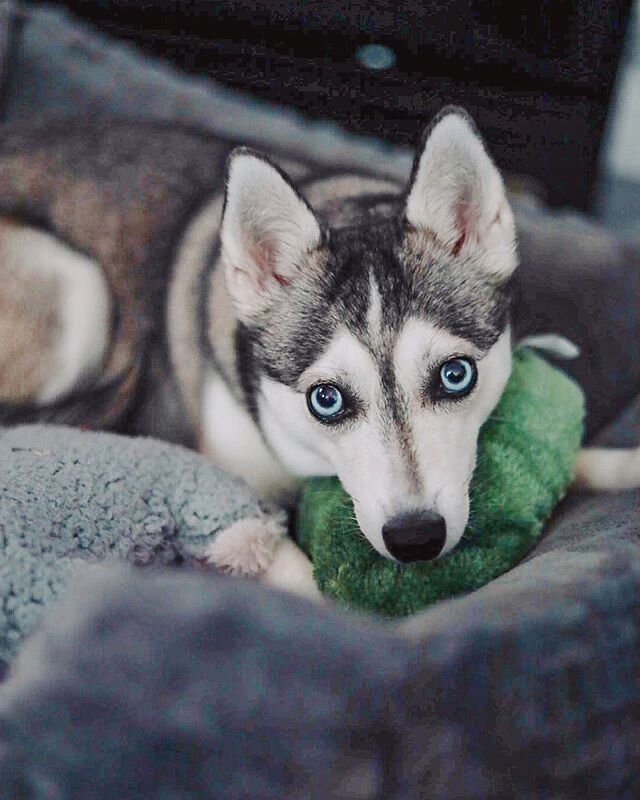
pixel 417 536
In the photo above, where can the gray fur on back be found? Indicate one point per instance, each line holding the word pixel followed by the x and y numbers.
pixel 70 497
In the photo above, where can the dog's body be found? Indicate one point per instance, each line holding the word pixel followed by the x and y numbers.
pixel 347 326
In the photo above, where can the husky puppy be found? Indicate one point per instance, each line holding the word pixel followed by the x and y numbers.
pixel 326 323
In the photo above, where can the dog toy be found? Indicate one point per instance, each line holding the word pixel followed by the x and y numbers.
pixel 526 454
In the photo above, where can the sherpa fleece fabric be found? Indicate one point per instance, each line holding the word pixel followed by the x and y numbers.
pixel 526 453
pixel 69 497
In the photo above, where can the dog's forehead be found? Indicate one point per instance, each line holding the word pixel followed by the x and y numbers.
pixel 368 289
pixel 362 256
pixel 373 281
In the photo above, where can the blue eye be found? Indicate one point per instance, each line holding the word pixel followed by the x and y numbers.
pixel 325 402
pixel 458 376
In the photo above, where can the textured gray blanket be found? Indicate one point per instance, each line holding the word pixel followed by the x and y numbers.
pixel 69 497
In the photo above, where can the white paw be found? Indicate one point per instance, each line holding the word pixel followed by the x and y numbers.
pixel 292 571
pixel 247 547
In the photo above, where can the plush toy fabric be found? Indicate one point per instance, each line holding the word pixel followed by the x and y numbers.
pixel 69 497
pixel 526 454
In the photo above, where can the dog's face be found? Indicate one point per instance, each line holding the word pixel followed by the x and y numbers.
pixel 376 351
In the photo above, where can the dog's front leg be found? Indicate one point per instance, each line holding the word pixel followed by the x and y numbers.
pixel 607 469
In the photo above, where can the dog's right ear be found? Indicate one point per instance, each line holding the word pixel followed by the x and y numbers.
pixel 268 233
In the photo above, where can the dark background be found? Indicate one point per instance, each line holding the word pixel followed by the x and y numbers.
pixel 537 76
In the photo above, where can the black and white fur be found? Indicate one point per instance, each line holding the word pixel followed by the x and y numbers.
pixel 355 282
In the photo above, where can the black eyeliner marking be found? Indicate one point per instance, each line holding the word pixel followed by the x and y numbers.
pixel 437 394
pixel 351 404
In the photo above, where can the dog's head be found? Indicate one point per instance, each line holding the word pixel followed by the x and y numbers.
pixel 375 351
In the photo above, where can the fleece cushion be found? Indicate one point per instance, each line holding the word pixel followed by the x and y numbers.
pixel 69 497
pixel 526 454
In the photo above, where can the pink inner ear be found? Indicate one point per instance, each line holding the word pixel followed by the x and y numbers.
pixel 462 222
pixel 263 253
pixel 466 217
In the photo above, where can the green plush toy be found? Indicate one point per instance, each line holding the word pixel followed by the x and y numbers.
pixel 527 451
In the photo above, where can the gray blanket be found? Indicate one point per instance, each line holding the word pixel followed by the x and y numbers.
pixel 68 498
pixel 165 684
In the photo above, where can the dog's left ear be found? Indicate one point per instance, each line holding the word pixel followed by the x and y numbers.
pixel 457 195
